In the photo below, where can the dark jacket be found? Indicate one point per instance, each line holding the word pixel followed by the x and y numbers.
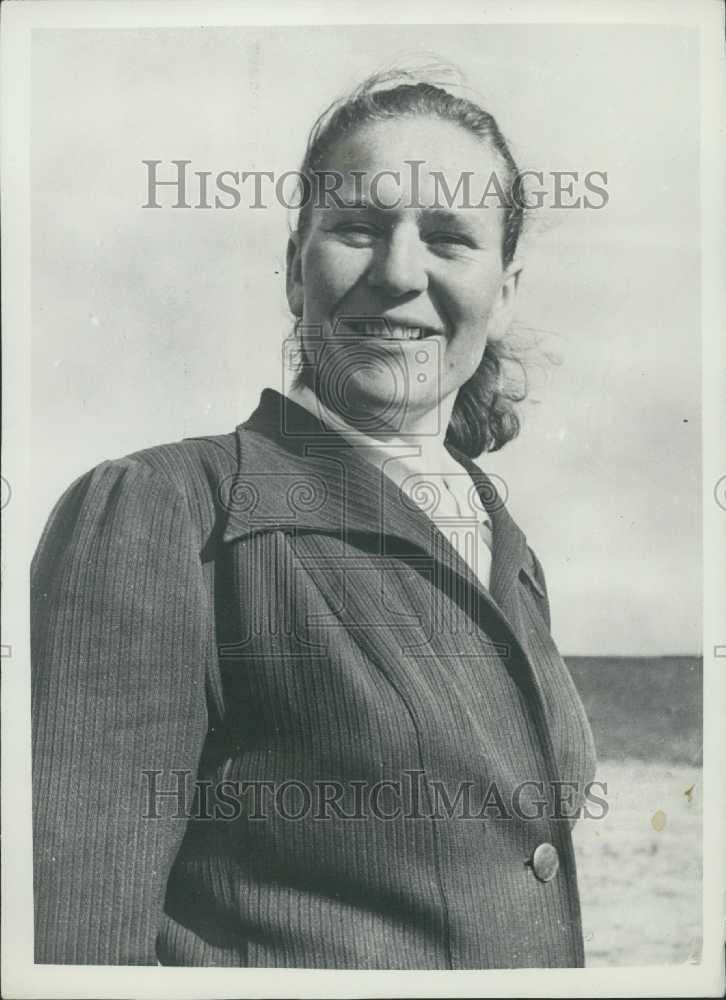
pixel 266 607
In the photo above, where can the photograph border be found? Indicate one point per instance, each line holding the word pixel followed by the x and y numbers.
pixel 21 978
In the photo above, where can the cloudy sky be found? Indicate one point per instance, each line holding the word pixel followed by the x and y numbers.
pixel 150 326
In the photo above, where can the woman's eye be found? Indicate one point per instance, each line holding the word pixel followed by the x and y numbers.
pixel 449 239
pixel 357 232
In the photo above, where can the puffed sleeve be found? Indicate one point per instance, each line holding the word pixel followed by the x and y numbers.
pixel 121 631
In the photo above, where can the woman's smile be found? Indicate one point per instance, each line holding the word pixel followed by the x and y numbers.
pixel 384 328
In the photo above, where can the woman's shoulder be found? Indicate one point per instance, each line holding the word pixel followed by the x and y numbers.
pixel 192 468
pixel 190 463
pixel 167 484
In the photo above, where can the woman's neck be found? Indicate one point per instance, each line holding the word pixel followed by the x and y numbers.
pixel 427 429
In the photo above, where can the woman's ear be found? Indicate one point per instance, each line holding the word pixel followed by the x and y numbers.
pixel 294 283
pixel 502 314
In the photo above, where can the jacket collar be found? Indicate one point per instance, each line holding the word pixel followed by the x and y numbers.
pixel 295 473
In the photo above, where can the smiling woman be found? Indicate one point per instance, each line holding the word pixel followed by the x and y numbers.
pixel 404 244
pixel 299 679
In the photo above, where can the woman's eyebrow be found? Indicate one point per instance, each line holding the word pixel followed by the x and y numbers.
pixel 441 216
pixel 446 216
pixel 341 204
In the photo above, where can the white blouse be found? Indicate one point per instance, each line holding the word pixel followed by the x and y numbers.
pixel 424 470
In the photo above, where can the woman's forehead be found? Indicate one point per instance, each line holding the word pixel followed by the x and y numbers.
pixel 419 162
pixel 437 145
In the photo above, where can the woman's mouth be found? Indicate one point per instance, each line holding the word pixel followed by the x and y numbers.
pixel 384 329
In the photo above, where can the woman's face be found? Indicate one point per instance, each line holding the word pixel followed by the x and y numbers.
pixel 399 288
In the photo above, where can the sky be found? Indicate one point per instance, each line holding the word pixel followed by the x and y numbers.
pixel 153 325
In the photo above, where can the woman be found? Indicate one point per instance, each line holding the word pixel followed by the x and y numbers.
pixel 296 702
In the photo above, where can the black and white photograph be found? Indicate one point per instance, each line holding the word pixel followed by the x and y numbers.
pixel 364 500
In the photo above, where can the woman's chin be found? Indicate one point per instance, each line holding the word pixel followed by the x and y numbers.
pixel 373 405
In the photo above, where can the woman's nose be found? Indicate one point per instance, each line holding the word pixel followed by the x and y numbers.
pixel 398 266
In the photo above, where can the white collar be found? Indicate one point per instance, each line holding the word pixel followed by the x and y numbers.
pixel 407 460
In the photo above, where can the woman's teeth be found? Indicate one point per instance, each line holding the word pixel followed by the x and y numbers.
pixel 387 331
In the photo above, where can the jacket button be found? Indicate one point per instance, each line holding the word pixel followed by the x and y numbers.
pixel 545 862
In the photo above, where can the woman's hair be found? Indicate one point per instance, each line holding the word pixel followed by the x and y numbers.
pixel 483 416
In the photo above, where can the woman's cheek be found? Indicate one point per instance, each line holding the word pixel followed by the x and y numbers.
pixel 342 267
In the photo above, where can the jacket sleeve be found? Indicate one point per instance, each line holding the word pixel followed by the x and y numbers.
pixel 121 633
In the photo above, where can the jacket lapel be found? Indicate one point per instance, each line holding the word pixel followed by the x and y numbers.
pixel 296 474
pixel 509 553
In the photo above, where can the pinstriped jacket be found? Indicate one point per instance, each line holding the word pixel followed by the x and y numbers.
pixel 277 720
